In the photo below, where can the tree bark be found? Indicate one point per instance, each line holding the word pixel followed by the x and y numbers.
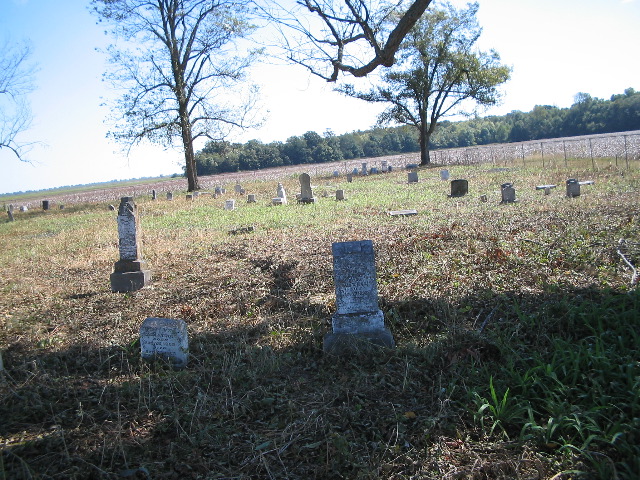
pixel 425 159
pixel 189 154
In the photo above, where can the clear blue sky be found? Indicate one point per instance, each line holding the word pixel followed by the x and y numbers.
pixel 556 49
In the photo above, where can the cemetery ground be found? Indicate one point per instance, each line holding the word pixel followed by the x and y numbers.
pixel 517 332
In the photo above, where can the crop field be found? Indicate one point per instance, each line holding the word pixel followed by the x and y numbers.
pixel 516 330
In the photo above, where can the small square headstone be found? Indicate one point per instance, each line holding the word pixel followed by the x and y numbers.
pixel 444 174
pixel 230 204
pixel 170 196
pixel 251 198
pixel 573 188
pixel 412 177
pixel 349 178
pixel 459 188
pixel 165 338
pixel 508 193
pixel 339 195
pixel 238 188
pixel 45 204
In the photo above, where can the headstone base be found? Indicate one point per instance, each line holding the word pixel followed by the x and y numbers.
pixel 307 200
pixel 354 343
pixel 358 322
pixel 122 282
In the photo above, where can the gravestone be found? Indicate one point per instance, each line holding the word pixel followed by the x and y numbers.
pixel 195 194
pixel 573 188
pixel 411 166
pixel 251 198
pixel 45 204
pixel 403 213
pixel 10 213
pixel 358 318
pixel 336 174
pixel 349 178
pixel 189 197
pixel 24 208
pixel 154 195
pixel 170 196
pixel 218 190
pixel 412 177
pixel 166 339
pixel 11 207
pixel 383 165
pixel 483 198
pixel 459 188
pixel 444 174
pixel 62 207
pixel 508 193
pixel 230 204
pixel 129 273
pixel 281 194
pixel 373 171
pixel 306 194
pixel 238 188
pixel 364 168
pixel 355 171
pixel 339 195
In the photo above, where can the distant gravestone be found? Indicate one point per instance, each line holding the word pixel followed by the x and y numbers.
pixel 251 198
pixel 383 165
pixel 411 166
pixel 336 173
pixel 403 213
pixel 339 195
pixel 10 213
pixel 573 188
pixel 412 177
pixel 390 168
pixel 129 273
pixel 349 178
pixel 170 196
pixel 11 207
pixel 281 194
pixel 237 188
pixel 483 198
pixel 355 171
pixel 24 208
pixel 154 194
pixel 45 204
pixel 364 168
pixel 230 204
pixel 166 339
pixel 218 190
pixel 189 197
pixel 508 193
pixel 459 188
pixel 306 193
pixel 195 194
pixel 546 188
pixel 358 317
pixel 444 174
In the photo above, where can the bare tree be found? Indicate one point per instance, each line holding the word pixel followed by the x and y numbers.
pixel 16 81
pixel 177 66
pixel 350 36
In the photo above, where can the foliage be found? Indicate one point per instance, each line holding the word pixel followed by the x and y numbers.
pixel 438 72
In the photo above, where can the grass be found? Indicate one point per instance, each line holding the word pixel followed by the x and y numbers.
pixel 516 332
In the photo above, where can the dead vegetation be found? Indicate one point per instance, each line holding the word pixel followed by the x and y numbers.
pixel 479 297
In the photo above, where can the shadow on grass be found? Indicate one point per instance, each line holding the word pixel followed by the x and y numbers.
pixel 259 402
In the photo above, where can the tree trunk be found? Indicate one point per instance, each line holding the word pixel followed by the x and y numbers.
pixel 424 149
pixel 189 155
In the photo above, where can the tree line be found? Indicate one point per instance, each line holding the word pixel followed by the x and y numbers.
pixel 588 115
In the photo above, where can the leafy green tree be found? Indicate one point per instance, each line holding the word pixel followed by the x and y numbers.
pixel 176 67
pixel 438 73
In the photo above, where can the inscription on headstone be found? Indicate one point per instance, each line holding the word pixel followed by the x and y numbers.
pixel 165 338
pixel 357 316
pixel 129 274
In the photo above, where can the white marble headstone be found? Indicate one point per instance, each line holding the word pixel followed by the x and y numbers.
pixel 165 338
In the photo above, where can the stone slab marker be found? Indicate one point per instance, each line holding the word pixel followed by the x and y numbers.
pixel 170 196
pixel 251 198
pixel 129 273
pixel 45 204
pixel 412 177
pixel 306 194
pixel 459 188
pixel 358 318
pixel 444 174
pixel 166 339
pixel 364 168
pixel 230 204
pixel 339 195
pixel 508 193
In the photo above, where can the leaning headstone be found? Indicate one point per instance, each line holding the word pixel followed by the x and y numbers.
pixel 166 339
pixel 508 193
pixel 412 177
pixel 358 318
pixel 10 213
pixel 573 188
pixel 129 273
pixel 251 198
pixel 339 195
pixel 230 204
pixel 45 204
pixel 411 166
pixel 170 196
pixel 306 194
pixel 444 174
pixel 154 194
pixel 459 188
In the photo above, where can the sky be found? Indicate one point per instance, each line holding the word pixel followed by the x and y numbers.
pixel 556 49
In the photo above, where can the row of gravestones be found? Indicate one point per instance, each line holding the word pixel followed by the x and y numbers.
pixel 357 323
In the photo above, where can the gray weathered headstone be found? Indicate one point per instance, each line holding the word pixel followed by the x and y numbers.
pixel 349 178
pixel 45 204
pixel 10 213
pixel 383 165
pixel 358 317
pixel 411 166
pixel 355 171
pixel 364 168
pixel 11 207
pixel 339 194
pixel 237 188
pixel 218 190
pixel 251 198
pixel 195 194
pixel 508 193
pixel 336 173
pixel 573 188
pixel 154 194
pixel 412 177
pixel 306 194
pixel 166 339
pixel 459 187
pixel 444 174
pixel 61 206
pixel 170 196
pixel 129 273
pixel 230 204
pixel 189 197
